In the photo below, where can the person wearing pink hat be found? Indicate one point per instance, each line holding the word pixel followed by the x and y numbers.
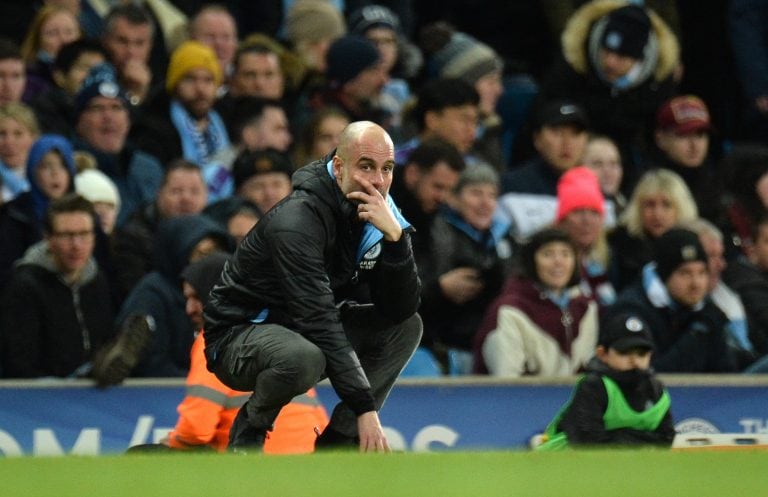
pixel 581 214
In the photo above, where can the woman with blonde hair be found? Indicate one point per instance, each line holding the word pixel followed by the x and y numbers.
pixel 659 201
pixel 18 131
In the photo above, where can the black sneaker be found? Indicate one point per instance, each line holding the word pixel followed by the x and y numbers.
pixel 115 361
pixel 245 438
pixel 331 439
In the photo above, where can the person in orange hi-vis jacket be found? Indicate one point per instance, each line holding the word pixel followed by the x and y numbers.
pixel 209 407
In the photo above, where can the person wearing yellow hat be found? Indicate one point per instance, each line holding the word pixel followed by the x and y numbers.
pixel 183 123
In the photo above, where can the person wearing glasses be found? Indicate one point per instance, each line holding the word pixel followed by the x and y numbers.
pixel 50 170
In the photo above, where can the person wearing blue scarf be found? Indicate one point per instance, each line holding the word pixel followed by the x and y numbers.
pixel 471 253
pixel 50 170
pixel 325 285
pixel 184 123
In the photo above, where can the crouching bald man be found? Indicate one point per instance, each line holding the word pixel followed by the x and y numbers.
pixel 325 285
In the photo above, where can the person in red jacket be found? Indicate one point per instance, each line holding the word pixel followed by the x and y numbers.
pixel 209 407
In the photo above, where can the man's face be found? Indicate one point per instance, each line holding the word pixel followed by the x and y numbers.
pixel 583 227
pixel 258 75
pixel 689 283
pixel 183 193
pixel 71 241
pixel 713 247
pixel 625 361
pixel 72 80
pixel 194 306
pixel 614 65
pixel 13 78
pixel 218 31
pixel 385 40
pixel 271 131
pixel 456 125
pixel 490 88
pixel 196 91
pixel 266 189
pixel 371 157
pixel 368 84
pixel 128 42
pixel 104 124
pixel 657 214
pixel 603 158
pixel 561 146
pixel 15 142
pixel 433 187
pixel 688 150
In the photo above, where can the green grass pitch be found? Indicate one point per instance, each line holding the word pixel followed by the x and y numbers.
pixel 622 473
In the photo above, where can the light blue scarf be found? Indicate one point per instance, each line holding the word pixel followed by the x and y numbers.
pixel 200 147
pixel 371 234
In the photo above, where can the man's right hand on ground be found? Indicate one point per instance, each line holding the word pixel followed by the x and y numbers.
pixel 372 437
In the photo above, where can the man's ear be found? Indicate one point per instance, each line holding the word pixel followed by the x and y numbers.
pixel 337 167
pixel 600 352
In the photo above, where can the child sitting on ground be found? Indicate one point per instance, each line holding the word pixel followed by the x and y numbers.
pixel 619 400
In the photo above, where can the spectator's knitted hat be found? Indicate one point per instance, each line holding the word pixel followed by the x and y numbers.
pixel 674 248
pixel 477 174
pixel 536 242
pixel 204 273
pixel 453 54
pixel 579 188
pixel 626 31
pixel 347 57
pixel 97 187
pixel 373 16
pixel 191 55
pixel 313 20
pixel 558 112
pixel 683 115
pixel 625 331
pixel 249 164
pixel 101 81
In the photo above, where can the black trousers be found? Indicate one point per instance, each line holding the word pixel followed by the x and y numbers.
pixel 277 363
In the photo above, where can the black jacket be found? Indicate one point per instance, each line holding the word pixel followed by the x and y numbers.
pixel 687 340
pixel 300 262
pixel 583 420
pixel 51 327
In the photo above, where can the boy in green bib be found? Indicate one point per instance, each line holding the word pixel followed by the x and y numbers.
pixel 619 400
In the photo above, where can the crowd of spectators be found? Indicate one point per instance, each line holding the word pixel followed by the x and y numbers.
pixel 562 163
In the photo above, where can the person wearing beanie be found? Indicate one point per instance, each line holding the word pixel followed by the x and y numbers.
pixel 541 323
pixel 472 252
pixel 103 125
pixel 581 213
pixel 453 54
pixel 529 199
pixel 354 79
pixel 101 191
pixel 381 26
pixel 205 421
pixel 261 179
pixel 618 401
pixel 672 296
pixel 183 122
pixel 621 61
